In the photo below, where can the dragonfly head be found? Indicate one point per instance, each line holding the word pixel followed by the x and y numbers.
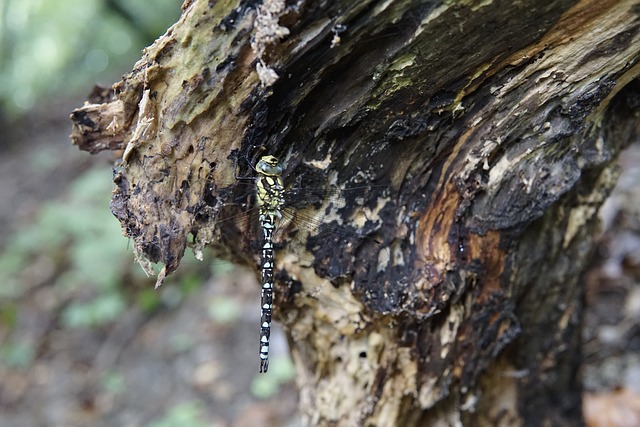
pixel 269 166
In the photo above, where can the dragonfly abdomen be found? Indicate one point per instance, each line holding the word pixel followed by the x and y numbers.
pixel 267 222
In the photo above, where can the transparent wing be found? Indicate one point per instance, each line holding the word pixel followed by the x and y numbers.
pixel 314 212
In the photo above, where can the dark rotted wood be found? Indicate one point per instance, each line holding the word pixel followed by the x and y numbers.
pixel 488 130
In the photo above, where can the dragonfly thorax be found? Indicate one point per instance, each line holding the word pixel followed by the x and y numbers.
pixel 269 186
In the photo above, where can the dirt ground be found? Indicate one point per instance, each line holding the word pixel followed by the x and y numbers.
pixel 183 365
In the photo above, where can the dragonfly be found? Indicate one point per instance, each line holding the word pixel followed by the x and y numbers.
pixel 271 202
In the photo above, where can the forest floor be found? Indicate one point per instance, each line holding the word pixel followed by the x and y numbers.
pixel 191 361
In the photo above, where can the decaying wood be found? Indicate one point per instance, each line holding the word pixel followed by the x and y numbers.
pixel 489 129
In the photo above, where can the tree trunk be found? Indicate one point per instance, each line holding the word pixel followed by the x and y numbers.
pixel 487 131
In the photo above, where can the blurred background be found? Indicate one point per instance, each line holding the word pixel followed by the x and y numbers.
pixel 84 338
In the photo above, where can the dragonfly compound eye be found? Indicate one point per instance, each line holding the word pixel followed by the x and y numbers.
pixel 269 165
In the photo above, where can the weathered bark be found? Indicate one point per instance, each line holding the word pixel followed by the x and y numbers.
pixel 491 127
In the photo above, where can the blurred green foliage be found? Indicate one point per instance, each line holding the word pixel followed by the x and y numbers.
pixel 17 354
pixel 76 244
pixel 224 310
pixel 48 47
pixel 113 383
pixel 186 414
pixel 281 371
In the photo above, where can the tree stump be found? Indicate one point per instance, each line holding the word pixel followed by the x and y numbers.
pixel 486 132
